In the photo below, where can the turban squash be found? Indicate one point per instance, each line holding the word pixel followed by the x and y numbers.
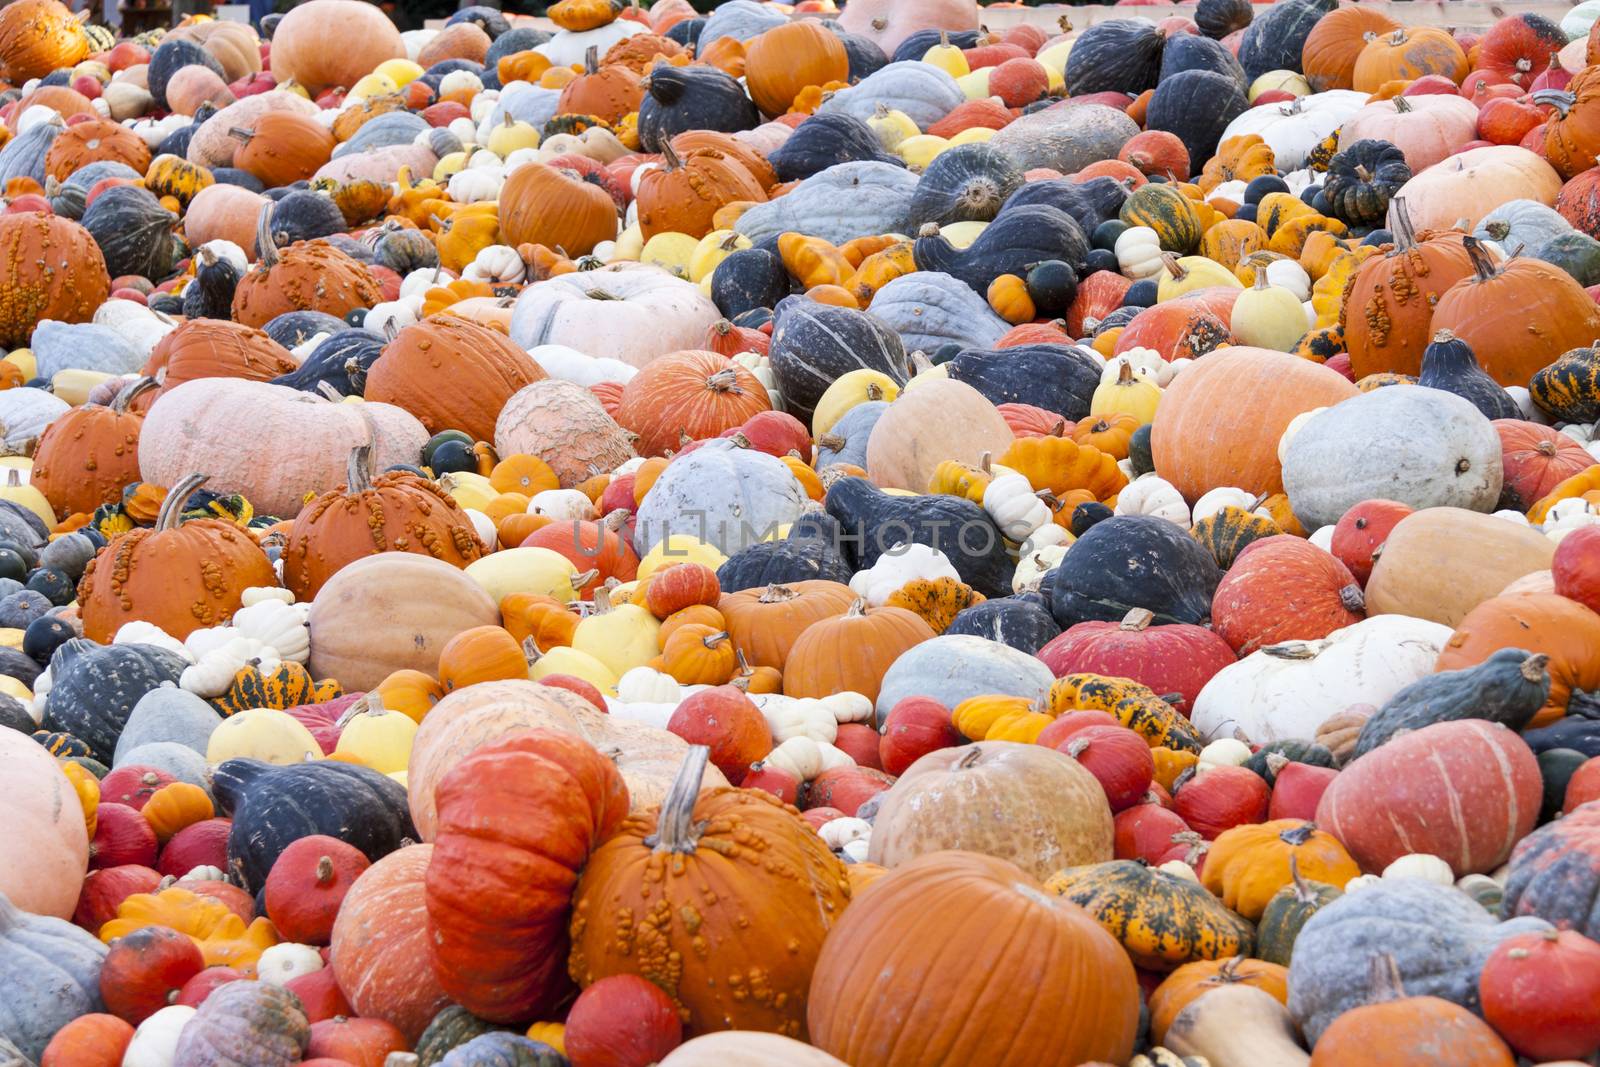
pixel 671 895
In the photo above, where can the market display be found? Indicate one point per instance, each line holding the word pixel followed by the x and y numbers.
pixel 799 536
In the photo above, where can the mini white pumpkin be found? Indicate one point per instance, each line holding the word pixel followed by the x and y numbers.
pixel 460 81
pixel 561 504
pixel 472 184
pixel 1322 537
pixel 571 365
pixel 1032 567
pixel 1014 506
pixel 279 626
pixel 1421 865
pixel 901 564
pixel 286 961
pixel 497 264
pixel 1223 752
pixel 646 685
pixel 1296 424
pixel 1045 536
pixel 398 314
pixel 805 758
pixel 1219 498
pixel 837 833
pixel 1150 494
pixel 1138 252
pixel 148 633
pixel 796 717
pixel 155 1042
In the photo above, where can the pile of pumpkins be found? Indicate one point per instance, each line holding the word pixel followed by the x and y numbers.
pixel 753 537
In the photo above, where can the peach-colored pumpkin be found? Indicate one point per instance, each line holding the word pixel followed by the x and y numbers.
pixel 194 86
pixel 936 420
pixel 325 43
pixel 1475 182
pixel 45 849
pixel 234 45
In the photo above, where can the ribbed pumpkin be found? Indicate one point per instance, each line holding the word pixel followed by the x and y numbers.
pixel 50 267
pixel 722 898
pixel 1405 54
pixel 95 141
pixel 688 396
pixel 308 276
pixel 765 623
pixel 1390 301
pixel 1284 588
pixel 1220 422
pixel 1572 132
pixel 1000 934
pixel 851 652
pixel 1554 314
pixel 396 511
pixel 517 821
pixel 555 207
pixel 791 57
pixel 381 955
pixel 90 454
pixel 452 374
pixel 684 194
pixel 217 348
pixel 1328 57
pixel 1536 459
pixel 179 576
pixel 37 37
pixel 282 147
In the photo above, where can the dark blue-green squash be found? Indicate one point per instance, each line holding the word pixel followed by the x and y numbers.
pixel 500 1049
pixel 295 328
pixel 874 523
pixel 1018 238
pixel 1115 56
pixel 1449 364
pixel 304 216
pixel 1022 621
pixel 1092 204
pixel 1058 378
pixel 692 98
pixel 171 56
pixel 340 362
pixel 1190 51
pixel 1272 757
pixel 748 280
pixel 916 46
pixel 1134 561
pixel 809 552
pixel 1508 688
pixel 210 294
pixel 967 183
pixel 814 344
pixel 1196 106
pixel 134 232
pixel 1275 40
pixel 94 687
pixel 826 140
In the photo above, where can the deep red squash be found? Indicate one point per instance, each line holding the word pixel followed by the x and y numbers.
pixel 121 836
pixel 1119 759
pixel 1222 798
pixel 914 727
pixel 516 821
pixel 1576 567
pixel 1542 993
pixel 1146 832
pixel 1284 588
pixel 728 722
pixel 1535 458
pixel 144 971
pixel 103 890
pixel 1179 658
pixel 621 1021
pixel 1362 530
pixel 1517 48
pixel 1464 791
pixel 306 885
pixel 201 844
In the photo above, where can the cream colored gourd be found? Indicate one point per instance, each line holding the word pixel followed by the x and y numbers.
pixel 1138 252
pixel 1016 508
pixel 937 420
pixel 1440 563
pixel 1150 494
pixel 1237 1025
pixel 526 570
pixel 847 391
pixel 264 734
pixel 619 636
pixel 1421 865
pixel 1268 316
pixel 1132 392
pixel 565 660
pixel 376 737
pixel 1188 273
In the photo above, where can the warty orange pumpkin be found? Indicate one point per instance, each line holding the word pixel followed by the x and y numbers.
pixel 452 374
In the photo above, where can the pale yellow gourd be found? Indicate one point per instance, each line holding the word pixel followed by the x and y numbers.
pixel 963 234
pixel 511 135
pixel 1131 392
pixel 526 570
pixel 679 548
pixel 18 491
pixel 921 150
pixel 947 57
pixel 25 361
pixel 1184 275
pixel 74 384
pixel 371 85
pixel 671 252
pixel 400 71
pixel 847 391
pixel 972 135
pixel 620 636
pixel 376 737
pixel 1268 316
pixel 13 688
pixel 629 245
pixel 975 86
pixel 468 489
pixel 565 660
pixel 265 734
pixel 711 250
pixel 892 126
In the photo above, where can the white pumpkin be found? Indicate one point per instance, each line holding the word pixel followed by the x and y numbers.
pixel 284 962
pixel 1033 565
pixel 1015 507
pixel 1219 498
pixel 805 758
pixel 1150 494
pixel 570 365
pixel 156 1040
pixel 1421 865
pixel 646 685
pixel 624 311
pixel 497 265
pixel 901 564
pixel 1287 691
pixel 1138 251
pixel 797 717
pixel 1292 129
pixel 1223 752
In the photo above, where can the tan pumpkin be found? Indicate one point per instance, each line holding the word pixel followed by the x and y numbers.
pixel 224 212
pixel 389 612
pixel 1440 563
pixel 1055 811
pixel 463 40
pixel 851 652
pixel 234 45
pixel 325 43
pixel 936 420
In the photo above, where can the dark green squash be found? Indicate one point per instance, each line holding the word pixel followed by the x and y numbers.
pixel 967 183
pixel 210 294
pixel 1218 18
pixel 1271 758
pixel 1576 253
pixel 916 46
pixel 1556 768
pixel 1091 204
pixel 15 663
pixel 1288 911
pixel 1022 621
pixel 1569 389
pixel 13 716
pixel 863 52
pixel 1052 286
pixel 304 216
pixel 94 687
pixel 1018 238
pixel 1058 378
pixel 1275 40
pixel 1362 179
pixel 874 522
pixel 748 279
pixel 691 98
pixel 134 232
pixel 1196 106
pixel 1191 51
pixel 1134 561
pixel 294 328
pixel 340 362
pixel 235 176
pixel 491 21
pixel 272 807
pixel 1139 456
pixel 1087 515
pixel 402 249
pixel 69 198
pixel 1449 364
pixel 1115 56
pixel 18 610
pixel 1508 688
pixel 171 56
pixel 501 1049
pixel 826 140
pixel 44 635
pixel 452 1027
pixel 814 344
pixel 1555 873
pixel 810 551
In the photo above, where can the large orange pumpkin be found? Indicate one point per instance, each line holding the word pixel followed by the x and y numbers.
pixel 1536 459
pixel 722 898
pixel 37 37
pixel 851 652
pixel 791 57
pixel 1329 54
pixel 50 268
pixel 1389 302
pixel 1553 314
pixel 1408 53
pixel 688 396
pixel 607 92
pixel 326 43
pixel 452 374
pixel 555 207
pixel 217 348
pixel 1572 132
pixel 689 142
pixel 766 623
pixel 517 821
pixel 90 454
pixel 1220 421
pixel 306 276
pixel 1000 934
pixel 684 194
pixel 283 147
pixel 1563 629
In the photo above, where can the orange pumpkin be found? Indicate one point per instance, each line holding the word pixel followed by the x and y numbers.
pixel 1331 49
pixel 1193 980
pixel 791 57
pixel 607 92
pixel 1408 53
pixel 688 396
pixel 94 141
pixel 851 652
pixel 452 374
pixel 555 207
pixel 1562 629
pixel 684 194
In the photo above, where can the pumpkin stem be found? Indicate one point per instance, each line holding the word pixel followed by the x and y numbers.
pixel 676 830
pixel 1298 835
pixel 324 870
pixel 1402 105
pixel 1136 619
pixel 358 469
pixel 601 601
pixel 1532 668
pixel 777 594
pixel 1294 649
pixel 172 506
pixel 1405 236
pixel 831 441
pixel 241 134
pixel 266 248
pixel 1124 373
pixel 920 362
pixel 874 391
pixel 1178 271
pixel 1352 598
pixel 1560 99
pixel 125 395
pixel 669 157
pixel 1481 262
pixel 724 381
pixel 591 60
pixel 858 608
pixel 1384 977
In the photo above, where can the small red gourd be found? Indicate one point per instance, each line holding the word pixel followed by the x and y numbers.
pixel 1362 530
pixel 145 971
pixel 198 988
pixel 621 1021
pixel 306 885
pixel 844 788
pixel 914 727
pixel 1584 785
pixel 1542 993
pixel 780 783
pixel 133 785
pixel 1119 759
pixel 201 844
pixel 103 890
pixel 121 836
pixel 1145 832
pixel 1064 726
pixel 320 995
pixel 1575 569
pixel 724 719
pixel 361 1042
pixel 1222 798
pixel 1297 790
pixel 574 684
pixel 860 742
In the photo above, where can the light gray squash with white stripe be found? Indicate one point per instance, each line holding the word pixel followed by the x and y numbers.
pixel 1423 447
pixel 721 494
pixel 930 308
pixel 840 204
pixel 922 91
pixel 626 311
pixel 957 666
pixel 167 714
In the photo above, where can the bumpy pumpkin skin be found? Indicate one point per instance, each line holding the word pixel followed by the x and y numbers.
pixel 50 268
pixel 672 904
